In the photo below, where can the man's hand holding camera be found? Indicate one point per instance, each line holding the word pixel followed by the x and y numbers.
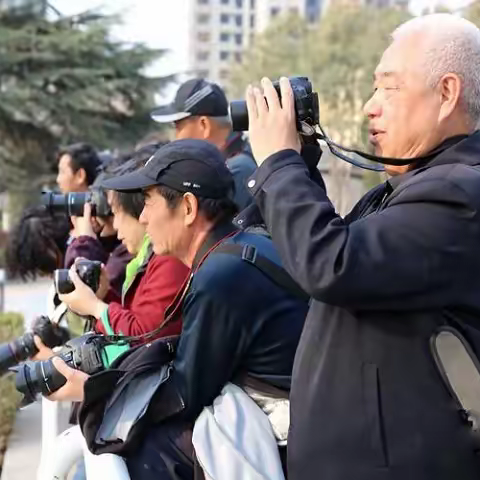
pixel 272 123
pixel 73 389
pixel 84 226
pixel 83 300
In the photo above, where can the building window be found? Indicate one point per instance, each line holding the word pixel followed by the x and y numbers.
pixel 225 2
pixel 238 20
pixel 238 57
pixel 203 2
pixel 238 38
pixel 252 4
pixel 252 21
pixel 223 74
pixel 224 55
pixel 224 18
pixel 202 56
pixel 203 36
pixel 203 18
pixel 239 3
pixel 274 11
pixel 224 37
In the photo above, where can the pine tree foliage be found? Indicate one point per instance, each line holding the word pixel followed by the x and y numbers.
pixel 65 80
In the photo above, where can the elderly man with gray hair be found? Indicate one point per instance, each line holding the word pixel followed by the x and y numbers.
pixel 371 395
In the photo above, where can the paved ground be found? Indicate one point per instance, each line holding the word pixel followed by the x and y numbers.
pixel 24 447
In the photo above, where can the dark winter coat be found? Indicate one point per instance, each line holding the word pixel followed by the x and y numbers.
pixel 367 399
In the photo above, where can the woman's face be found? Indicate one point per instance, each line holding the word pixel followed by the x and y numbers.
pixel 129 230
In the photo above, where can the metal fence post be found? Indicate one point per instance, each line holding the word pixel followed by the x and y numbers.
pixel 3 278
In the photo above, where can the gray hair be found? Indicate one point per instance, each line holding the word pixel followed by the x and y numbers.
pixel 453 47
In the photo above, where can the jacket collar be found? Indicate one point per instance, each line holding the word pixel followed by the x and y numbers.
pixel 463 149
pixel 215 236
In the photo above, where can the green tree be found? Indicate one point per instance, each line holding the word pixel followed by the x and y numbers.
pixel 63 80
pixel 472 13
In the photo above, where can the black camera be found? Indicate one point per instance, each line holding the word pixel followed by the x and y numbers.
pixel 24 347
pixel 89 272
pixel 72 203
pixel 306 106
pixel 86 353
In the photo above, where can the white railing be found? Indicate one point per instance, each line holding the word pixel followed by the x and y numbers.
pixel 61 452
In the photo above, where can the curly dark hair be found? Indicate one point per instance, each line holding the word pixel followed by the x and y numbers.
pixel 37 243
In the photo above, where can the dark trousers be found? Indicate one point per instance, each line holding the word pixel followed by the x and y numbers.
pixel 166 454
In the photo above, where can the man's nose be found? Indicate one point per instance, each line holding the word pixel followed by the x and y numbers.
pixel 372 107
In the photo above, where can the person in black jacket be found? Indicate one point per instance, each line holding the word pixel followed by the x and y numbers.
pixel 240 322
pixel 368 400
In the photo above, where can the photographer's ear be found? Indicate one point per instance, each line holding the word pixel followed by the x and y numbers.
pixel 190 208
pixel 450 87
pixel 205 127
pixel 80 176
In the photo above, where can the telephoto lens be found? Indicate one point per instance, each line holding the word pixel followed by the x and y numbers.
pixel 72 204
pixel 89 272
pixel 24 347
pixel 85 353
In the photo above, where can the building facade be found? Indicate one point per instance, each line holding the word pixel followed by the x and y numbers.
pixel 219 32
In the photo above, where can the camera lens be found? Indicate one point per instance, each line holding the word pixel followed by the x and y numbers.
pixel 70 203
pixel 33 378
pixel 76 202
pixel 239 115
pixel 17 351
pixel 63 283
pixel 7 358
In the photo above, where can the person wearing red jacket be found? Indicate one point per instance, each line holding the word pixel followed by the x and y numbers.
pixel 151 281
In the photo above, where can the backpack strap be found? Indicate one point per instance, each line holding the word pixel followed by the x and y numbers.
pixel 459 368
pixel 274 272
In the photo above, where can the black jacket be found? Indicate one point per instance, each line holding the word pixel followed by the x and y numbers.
pixel 242 165
pixel 236 321
pixel 367 399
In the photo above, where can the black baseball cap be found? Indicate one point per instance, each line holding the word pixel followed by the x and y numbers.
pixel 195 97
pixel 186 165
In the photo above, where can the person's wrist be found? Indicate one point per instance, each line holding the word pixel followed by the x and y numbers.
pixel 98 308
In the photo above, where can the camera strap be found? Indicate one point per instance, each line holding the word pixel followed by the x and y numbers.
pixel 337 149
pixel 274 272
pixel 217 235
